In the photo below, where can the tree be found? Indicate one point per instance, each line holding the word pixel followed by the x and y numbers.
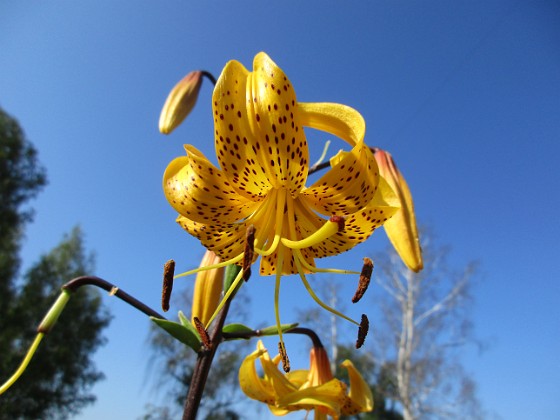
pixel 426 321
pixel 56 384
pixel 21 178
pixel 57 381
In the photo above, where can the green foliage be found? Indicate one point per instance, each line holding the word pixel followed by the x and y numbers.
pixel 56 383
pixel 21 178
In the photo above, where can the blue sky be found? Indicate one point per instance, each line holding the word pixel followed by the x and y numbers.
pixel 466 96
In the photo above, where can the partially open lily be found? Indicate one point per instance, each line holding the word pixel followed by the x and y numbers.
pixel 313 389
pixel 401 229
pixel 264 160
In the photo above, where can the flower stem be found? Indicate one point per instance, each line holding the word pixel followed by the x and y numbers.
pixel 203 364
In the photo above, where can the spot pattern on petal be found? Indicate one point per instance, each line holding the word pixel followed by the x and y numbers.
pixel 199 191
pixel 273 113
pixel 348 186
pixel 240 151
pixel 227 241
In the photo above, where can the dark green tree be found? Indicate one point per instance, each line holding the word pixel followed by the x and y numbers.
pixel 21 178
pixel 57 382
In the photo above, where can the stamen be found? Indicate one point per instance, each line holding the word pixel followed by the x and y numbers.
pixel 328 229
pixel 234 260
pixel 362 331
pixel 284 355
pixel 365 278
pixel 280 203
pixel 203 333
pixel 249 252
pixel 298 259
pixel 309 267
pixel 281 347
pixel 168 271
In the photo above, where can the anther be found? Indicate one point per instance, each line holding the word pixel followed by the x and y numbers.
pixel 365 278
pixel 362 331
pixel 284 355
pixel 168 273
pixel 339 220
pixel 203 333
pixel 249 252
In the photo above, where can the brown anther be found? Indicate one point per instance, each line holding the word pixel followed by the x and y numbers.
pixel 202 332
pixel 339 220
pixel 249 252
pixel 362 331
pixel 284 355
pixel 168 273
pixel 365 277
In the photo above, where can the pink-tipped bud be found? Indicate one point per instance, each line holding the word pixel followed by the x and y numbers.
pixel 401 228
pixel 180 102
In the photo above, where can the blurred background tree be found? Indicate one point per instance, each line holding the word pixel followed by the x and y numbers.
pixel 425 325
pixel 58 380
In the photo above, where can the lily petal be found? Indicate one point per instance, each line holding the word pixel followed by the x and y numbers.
pixel 330 395
pixel 259 141
pixel 340 120
pixel 348 186
pixel 360 397
pixel 251 384
pixel 199 191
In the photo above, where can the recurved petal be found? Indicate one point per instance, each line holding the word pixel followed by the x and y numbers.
pixel 348 186
pixel 227 240
pixel 360 398
pixel 337 119
pixel 251 384
pixel 200 192
pixel 330 396
pixel 357 227
pixel 360 225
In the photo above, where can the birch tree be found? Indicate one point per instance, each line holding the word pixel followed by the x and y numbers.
pixel 425 324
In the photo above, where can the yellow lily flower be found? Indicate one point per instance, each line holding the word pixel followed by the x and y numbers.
pixel 401 228
pixel 264 161
pixel 313 389
pixel 207 289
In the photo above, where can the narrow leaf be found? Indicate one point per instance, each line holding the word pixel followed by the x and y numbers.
pixel 180 332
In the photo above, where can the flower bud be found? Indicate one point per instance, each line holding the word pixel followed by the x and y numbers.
pixel 401 228
pixel 180 102
pixel 207 289
pixel 319 367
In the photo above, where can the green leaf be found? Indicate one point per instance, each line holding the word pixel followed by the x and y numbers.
pixel 184 334
pixel 237 329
